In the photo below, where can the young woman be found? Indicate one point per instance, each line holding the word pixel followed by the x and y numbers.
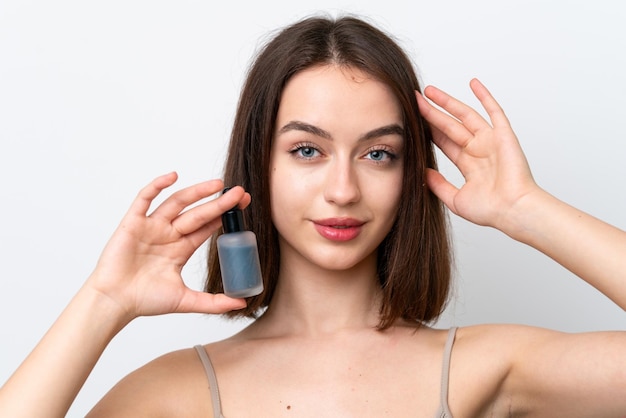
pixel 333 147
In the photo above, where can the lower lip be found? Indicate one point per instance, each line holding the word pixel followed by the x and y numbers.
pixel 338 234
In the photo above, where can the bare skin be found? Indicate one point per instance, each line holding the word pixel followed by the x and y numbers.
pixel 316 351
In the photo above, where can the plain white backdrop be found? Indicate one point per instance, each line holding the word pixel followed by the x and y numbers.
pixel 97 98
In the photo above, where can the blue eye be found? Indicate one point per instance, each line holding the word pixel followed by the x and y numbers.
pixel 305 152
pixel 377 155
pixel 380 156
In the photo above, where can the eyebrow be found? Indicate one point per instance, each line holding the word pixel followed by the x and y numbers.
pixel 294 125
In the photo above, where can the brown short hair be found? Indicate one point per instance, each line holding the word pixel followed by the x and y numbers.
pixel 414 260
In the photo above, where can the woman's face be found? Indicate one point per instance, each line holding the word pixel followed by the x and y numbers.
pixel 336 166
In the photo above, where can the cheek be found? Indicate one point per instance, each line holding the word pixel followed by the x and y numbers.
pixel 292 184
pixel 389 200
pixel 387 189
pixel 285 193
pixel 275 187
pixel 393 196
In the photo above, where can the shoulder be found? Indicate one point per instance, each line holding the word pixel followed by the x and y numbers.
pixel 171 385
pixel 527 370
pixel 502 340
pixel 504 343
pixel 482 360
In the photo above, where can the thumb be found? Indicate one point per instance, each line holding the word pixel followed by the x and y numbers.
pixel 442 188
pixel 194 301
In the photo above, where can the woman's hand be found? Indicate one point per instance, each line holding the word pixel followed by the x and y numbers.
pixel 139 273
pixel 497 176
pixel 499 191
pixel 140 268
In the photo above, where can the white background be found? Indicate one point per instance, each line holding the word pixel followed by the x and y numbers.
pixel 97 98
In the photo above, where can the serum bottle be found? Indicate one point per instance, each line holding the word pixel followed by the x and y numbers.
pixel 239 257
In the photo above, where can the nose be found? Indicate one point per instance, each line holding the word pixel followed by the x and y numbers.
pixel 342 183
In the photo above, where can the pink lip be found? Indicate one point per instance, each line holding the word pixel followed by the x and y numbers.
pixel 338 229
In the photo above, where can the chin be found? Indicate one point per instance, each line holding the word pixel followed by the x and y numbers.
pixel 337 261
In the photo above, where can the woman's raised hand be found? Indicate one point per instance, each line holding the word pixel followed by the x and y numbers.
pixel 487 153
pixel 140 267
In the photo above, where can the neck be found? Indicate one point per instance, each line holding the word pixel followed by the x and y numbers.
pixel 311 301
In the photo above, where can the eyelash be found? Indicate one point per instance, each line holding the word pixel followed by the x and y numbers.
pixel 295 151
pixel 390 155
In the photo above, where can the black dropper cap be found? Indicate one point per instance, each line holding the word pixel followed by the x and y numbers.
pixel 232 220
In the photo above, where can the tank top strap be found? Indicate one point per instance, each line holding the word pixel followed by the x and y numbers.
pixel 444 409
pixel 443 412
pixel 210 373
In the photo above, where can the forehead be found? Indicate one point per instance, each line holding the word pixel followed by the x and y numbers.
pixel 330 93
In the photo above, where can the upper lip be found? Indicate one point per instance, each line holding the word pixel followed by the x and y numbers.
pixel 345 222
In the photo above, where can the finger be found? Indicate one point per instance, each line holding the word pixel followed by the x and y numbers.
pixel 442 188
pixel 202 302
pixel 489 103
pixel 204 230
pixel 197 237
pixel 195 218
pixel 450 148
pixel 469 117
pixel 446 124
pixel 178 201
pixel 142 202
pixel 245 201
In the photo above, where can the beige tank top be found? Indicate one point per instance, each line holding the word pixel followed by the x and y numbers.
pixel 442 412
